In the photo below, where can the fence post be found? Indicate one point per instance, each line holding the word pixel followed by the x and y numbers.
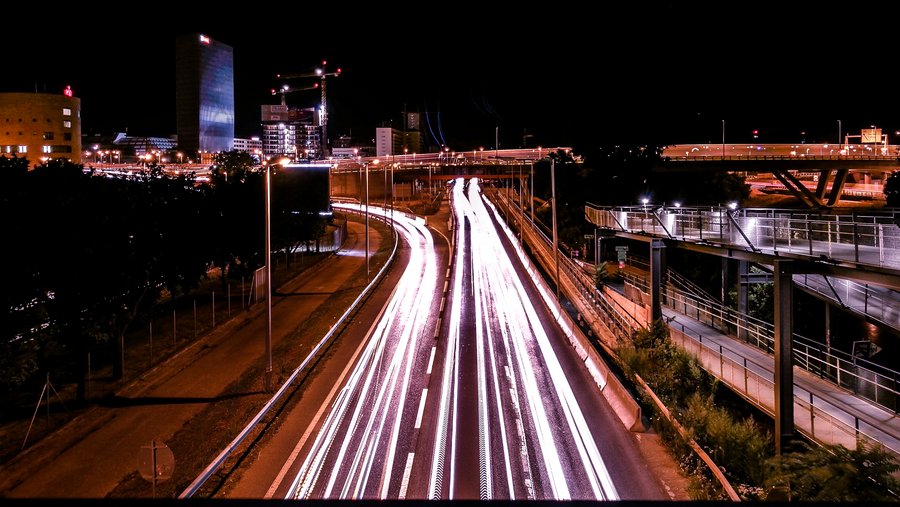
pixel 745 376
pixel 721 362
pixel 812 416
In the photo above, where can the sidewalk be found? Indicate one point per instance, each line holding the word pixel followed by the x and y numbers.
pixel 195 400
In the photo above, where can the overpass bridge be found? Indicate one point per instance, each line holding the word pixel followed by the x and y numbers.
pixel 817 174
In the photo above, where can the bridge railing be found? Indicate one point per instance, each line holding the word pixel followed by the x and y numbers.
pixel 871 238
pixel 877 303
pixel 864 378
pixel 813 416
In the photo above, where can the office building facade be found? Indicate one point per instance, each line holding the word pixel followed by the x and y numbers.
pixel 40 126
pixel 204 95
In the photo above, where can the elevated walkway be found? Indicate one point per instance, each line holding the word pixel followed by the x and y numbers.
pixel 824 411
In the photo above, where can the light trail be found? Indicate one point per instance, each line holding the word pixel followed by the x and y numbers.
pixel 521 387
pixel 352 451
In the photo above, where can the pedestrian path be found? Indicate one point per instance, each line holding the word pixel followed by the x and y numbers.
pixel 822 411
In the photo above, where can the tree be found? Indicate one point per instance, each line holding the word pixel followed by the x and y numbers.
pixel 601 275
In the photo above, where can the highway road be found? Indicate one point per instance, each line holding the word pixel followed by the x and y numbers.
pixel 475 395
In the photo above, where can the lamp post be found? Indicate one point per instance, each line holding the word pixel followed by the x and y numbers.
pixel 840 141
pixel 531 193
pixel 375 162
pixel 267 379
pixel 269 374
pixel 555 237
pixel 723 139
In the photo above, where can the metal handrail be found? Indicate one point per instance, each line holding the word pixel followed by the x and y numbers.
pixel 820 425
pixel 874 237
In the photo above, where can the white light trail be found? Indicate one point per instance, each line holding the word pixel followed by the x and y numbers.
pixel 378 384
pixel 534 374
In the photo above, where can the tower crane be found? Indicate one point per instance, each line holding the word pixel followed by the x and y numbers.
pixel 323 74
pixel 285 89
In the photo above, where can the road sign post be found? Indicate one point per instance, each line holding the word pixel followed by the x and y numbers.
pixel 156 463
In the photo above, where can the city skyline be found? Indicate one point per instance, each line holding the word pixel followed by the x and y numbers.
pixel 666 76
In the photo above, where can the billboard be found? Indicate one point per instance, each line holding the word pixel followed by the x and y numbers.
pixel 301 189
pixel 871 136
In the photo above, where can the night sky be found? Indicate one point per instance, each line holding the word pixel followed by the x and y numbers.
pixel 566 75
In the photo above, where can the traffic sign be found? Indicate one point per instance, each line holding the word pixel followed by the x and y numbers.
pixel 156 463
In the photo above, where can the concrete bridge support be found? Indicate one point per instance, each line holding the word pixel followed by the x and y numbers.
pixel 784 373
pixel 657 268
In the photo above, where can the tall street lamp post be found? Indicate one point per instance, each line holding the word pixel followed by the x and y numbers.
pixel 723 139
pixel 267 380
pixel 269 375
pixel 367 222
pixel 555 237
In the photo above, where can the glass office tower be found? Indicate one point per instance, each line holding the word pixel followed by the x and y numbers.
pixel 204 95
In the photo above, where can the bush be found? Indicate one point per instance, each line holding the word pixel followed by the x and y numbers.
pixel 833 473
pixel 742 444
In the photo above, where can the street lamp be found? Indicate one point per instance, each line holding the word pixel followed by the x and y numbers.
pixel 555 237
pixel 268 253
pixel 374 162
pixel 723 139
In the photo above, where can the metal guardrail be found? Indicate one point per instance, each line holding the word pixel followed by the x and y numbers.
pixel 219 460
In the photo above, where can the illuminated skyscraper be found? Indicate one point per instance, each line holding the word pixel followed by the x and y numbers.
pixel 204 94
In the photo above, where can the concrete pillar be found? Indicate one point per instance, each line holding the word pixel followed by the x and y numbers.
pixel 828 328
pixel 743 292
pixel 784 374
pixel 657 268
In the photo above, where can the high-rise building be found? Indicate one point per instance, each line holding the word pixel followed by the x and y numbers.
pixel 390 141
pixel 204 95
pixel 290 132
pixel 40 126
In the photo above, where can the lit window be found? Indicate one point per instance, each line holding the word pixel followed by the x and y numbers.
pixel 67 124
pixel 46 149
pixel 48 136
pixel 23 148
pixel 8 149
pixel 67 111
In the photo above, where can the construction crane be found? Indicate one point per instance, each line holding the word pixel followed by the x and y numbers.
pixel 285 89
pixel 323 74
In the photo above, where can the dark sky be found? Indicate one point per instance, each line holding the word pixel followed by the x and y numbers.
pixel 566 74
